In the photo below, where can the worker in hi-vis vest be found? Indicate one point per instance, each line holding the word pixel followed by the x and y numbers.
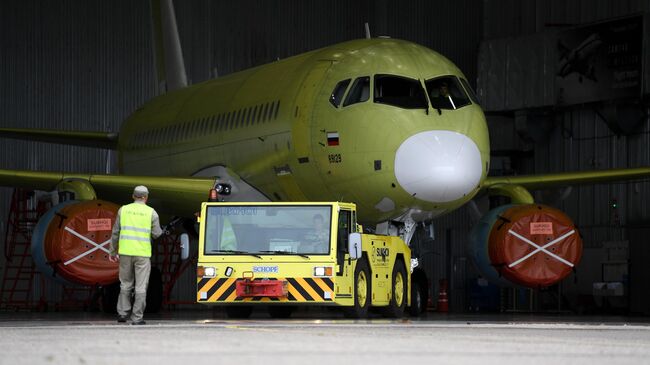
pixel 135 225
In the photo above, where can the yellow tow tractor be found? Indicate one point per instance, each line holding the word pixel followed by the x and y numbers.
pixel 282 255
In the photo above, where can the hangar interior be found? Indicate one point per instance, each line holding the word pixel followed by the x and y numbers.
pixel 88 65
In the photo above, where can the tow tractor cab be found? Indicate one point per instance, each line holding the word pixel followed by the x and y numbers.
pixel 282 255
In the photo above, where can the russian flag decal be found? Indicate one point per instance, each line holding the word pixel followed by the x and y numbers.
pixel 332 138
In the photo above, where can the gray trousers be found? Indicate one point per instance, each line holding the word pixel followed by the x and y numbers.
pixel 134 273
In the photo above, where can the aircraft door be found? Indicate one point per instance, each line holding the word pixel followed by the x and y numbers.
pixel 305 103
pixel 305 181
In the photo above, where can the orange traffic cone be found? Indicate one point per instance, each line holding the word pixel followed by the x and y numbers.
pixel 443 301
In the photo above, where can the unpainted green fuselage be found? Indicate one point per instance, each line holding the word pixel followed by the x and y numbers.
pixel 269 126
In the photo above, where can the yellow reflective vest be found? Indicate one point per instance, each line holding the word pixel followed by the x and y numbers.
pixel 135 230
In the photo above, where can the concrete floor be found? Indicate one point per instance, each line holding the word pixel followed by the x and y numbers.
pixel 200 337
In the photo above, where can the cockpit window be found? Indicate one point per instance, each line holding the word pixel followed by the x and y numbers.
pixel 338 92
pixel 359 92
pixel 470 91
pixel 400 92
pixel 446 93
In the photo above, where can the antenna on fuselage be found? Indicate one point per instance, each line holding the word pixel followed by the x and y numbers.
pixel 367 28
pixel 170 67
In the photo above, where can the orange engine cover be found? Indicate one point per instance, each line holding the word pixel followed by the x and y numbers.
pixel 77 241
pixel 534 245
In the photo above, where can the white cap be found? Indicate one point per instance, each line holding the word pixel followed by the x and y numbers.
pixel 140 191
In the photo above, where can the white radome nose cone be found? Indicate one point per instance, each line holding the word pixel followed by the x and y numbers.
pixel 438 166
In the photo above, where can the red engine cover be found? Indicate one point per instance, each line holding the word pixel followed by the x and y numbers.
pixel 534 245
pixel 77 241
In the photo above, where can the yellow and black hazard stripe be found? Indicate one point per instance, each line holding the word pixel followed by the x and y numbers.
pixel 215 289
pixel 299 290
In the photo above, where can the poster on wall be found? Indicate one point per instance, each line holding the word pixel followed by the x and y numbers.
pixel 599 62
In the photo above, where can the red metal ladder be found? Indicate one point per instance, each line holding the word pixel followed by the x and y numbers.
pixel 167 256
pixel 17 290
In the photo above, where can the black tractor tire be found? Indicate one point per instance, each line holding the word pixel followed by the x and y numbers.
pixel 281 312
pixel 239 312
pixel 360 310
pixel 395 309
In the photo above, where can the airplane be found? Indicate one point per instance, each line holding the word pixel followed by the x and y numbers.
pixel 579 60
pixel 385 123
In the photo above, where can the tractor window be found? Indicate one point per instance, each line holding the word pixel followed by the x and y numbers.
pixel 275 230
pixel 342 239
pixel 344 229
pixel 338 92
pixel 446 93
pixel 399 91
pixel 359 92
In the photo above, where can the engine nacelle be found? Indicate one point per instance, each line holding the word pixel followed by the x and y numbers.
pixel 527 245
pixel 71 241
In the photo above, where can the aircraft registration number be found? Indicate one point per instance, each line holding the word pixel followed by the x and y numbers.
pixel 334 158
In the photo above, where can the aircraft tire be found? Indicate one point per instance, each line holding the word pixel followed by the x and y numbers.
pixel 418 300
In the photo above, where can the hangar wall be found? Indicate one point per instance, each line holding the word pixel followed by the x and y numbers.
pixel 75 64
pixel 69 65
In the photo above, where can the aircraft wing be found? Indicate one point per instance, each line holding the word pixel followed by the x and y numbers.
pixel 75 138
pixel 172 195
pixel 541 181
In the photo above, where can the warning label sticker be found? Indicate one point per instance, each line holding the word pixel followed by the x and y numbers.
pixel 100 224
pixel 541 228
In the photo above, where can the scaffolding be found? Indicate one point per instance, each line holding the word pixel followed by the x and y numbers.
pixel 19 274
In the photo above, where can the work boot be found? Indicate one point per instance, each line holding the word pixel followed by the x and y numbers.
pixel 140 322
pixel 121 319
